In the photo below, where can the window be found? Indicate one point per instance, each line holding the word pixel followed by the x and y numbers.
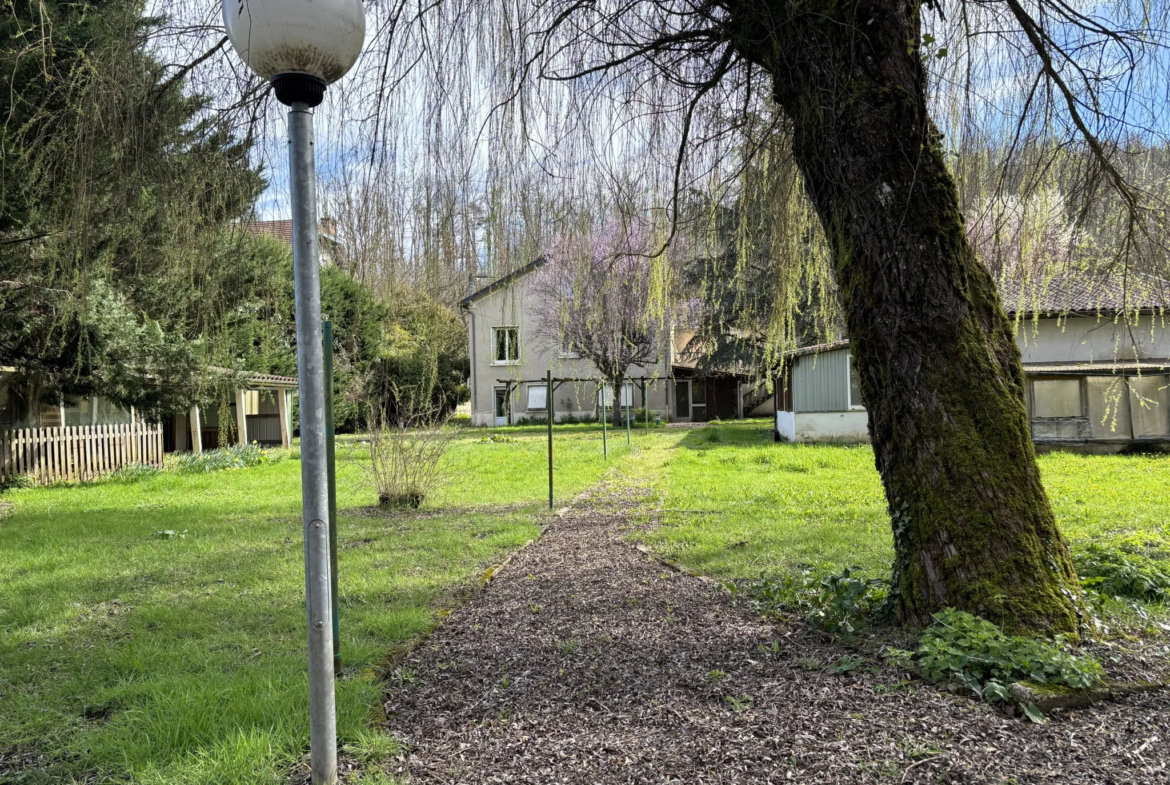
pixel 1108 405
pixel 537 397
pixel 106 412
pixel 505 345
pixel 627 395
pixel 78 411
pixel 567 352
pixel 1056 398
pixel 855 399
pixel 1149 398
pixel 699 393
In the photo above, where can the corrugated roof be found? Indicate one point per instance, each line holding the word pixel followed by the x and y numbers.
pixel 282 229
pixel 1072 294
pixel 258 379
pixel 268 378
pixel 502 281
pixel 820 347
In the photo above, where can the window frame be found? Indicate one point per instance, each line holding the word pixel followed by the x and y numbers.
pixel 1082 399
pixel 567 352
pixel 620 397
pixel 510 357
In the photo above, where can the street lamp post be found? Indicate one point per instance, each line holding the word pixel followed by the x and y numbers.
pixel 301 46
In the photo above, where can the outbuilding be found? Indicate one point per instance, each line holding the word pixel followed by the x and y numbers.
pixel 1097 374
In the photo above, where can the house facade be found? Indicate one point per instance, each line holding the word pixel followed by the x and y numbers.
pixel 510 364
pixel 1095 381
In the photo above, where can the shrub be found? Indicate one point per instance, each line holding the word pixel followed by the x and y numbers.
pixel 977 654
pixel 570 419
pixel 235 457
pixel 834 602
pixel 408 456
pixel 14 481
pixel 1135 570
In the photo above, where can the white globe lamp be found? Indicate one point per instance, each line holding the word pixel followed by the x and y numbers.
pixel 300 46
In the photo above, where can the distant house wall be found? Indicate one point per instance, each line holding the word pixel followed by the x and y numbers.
pixel 513 306
pixel 1092 339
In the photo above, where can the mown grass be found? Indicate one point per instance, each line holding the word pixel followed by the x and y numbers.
pixel 127 654
pixel 737 505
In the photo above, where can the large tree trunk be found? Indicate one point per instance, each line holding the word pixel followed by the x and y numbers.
pixel 938 364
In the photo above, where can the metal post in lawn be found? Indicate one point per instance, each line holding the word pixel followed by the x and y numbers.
pixel 549 408
pixel 604 431
pixel 646 403
pixel 331 460
pixel 628 410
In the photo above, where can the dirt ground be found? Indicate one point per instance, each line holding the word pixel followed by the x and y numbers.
pixel 585 661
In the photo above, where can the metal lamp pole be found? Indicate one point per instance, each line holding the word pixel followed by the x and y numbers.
pixel 300 46
pixel 314 463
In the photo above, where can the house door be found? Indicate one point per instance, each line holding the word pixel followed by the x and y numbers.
pixel 699 401
pixel 501 406
pixel 682 399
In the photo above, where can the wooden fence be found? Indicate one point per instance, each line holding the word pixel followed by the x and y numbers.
pixel 78 453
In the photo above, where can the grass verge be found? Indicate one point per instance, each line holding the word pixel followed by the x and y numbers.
pixel 153 629
pixel 737 505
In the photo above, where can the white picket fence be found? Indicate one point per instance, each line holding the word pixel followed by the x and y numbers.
pixel 81 452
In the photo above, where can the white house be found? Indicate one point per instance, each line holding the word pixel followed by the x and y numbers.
pixel 509 363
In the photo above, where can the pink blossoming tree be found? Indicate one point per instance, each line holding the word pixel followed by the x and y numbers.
pixel 602 297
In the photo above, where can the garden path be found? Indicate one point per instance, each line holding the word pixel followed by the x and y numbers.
pixel 585 661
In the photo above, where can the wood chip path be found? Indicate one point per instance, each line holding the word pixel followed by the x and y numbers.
pixel 586 662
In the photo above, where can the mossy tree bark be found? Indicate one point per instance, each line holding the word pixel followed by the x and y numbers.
pixel 939 367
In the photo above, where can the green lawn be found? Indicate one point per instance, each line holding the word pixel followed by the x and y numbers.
pixel 133 656
pixel 126 655
pixel 738 505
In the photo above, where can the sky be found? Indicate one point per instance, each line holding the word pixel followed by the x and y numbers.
pixel 999 77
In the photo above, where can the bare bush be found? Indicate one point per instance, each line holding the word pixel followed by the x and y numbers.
pixel 408 456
